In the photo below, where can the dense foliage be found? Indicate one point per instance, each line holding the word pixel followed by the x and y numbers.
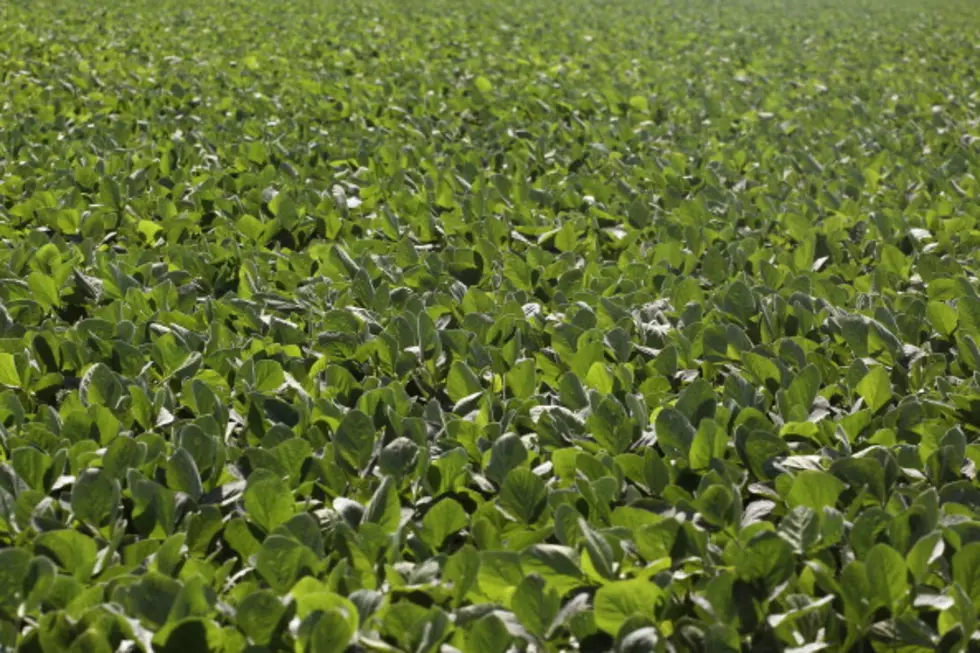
pixel 583 325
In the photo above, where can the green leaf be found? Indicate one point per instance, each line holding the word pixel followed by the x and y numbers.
pixel 282 560
pixel 556 564
pixel 674 433
pixel 768 558
pixel 524 495
pixel 599 551
pixel 507 452
pixel 814 489
pixel 73 551
pixel 611 425
pixel 697 401
pixel 268 376
pixel 399 457
pixel 268 501
pixel 619 601
pixel 522 379
pixel 259 616
pixel 14 567
pixel 488 635
pixel 95 497
pixel 182 474
pixel 443 519
pixel 875 388
pixel 332 633
pixel 927 550
pixel 966 570
pixel 801 528
pixel 9 375
pixel 355 439
pixel 942 317
pixel 152 597
pixel 803 389
pixel 535 604
pixel 101 387
pixel 44 289
pixel 887 575
pixel 462 381
pixel 32 465
pixel 710 442
pixel 483 84
pixel 499 574
pixel 122 455
pixel 384 509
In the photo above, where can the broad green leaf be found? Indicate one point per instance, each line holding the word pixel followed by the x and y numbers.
pixel 354 439
pixel 384 509
pixel 619 601
pixel 95 497
pixel 875 388
pixel 44 289
pixel 259 616
pixel 535 604
pixel 268 501
pixel 887 575
pixel 182 474
pixel 814 489
pixel 507 453
pixel 598 549
pixel 73 551
pixel 488 635
pixel 674 433
pixel 966 570
pixel 522 378
pixel 928 549
pixel 524 495
pixel 9 374
pixel 441 520
pixel 332 633
pixel 462 381
pixel 281 561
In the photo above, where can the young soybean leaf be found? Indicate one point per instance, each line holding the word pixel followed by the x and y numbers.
pixel 384 508
pixel 399 457
pixel 74 551
pixel 675 434
pixel 332 633
pixel 507 452
pixel 488 635
pixel 281 561
pixel 95 497
pixel 523 494
pixel 522 378
pixel 259 616
pixel 966 570
pixel 101 387
pixel 182 474
pixel 462 382
pixel 535 604
pixel 924 553
pixel 123 454
pixel 268 500
pixel 14 567
pixel 618 601
pixel 814 489
pixel 598 549
pixel 887 575
pixel 611 425
pixel 875 388
pixel 444 518
pixel 9 375
pixel 354 439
